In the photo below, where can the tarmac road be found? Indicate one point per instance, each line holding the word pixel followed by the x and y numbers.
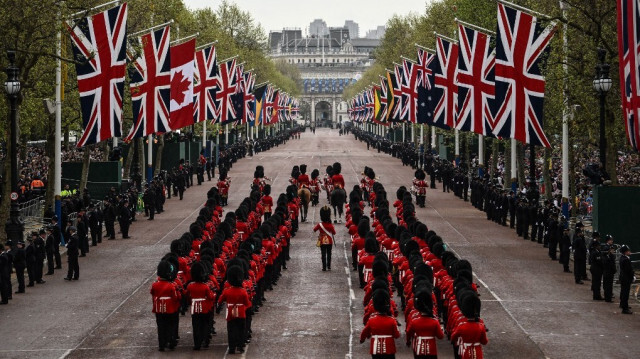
pixel 532 309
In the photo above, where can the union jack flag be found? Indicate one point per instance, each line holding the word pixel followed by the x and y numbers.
pixel 629 52
pixel 205 85
pixel 410 83
pixel 445 91
pixel 519 81
pixel 151 85
pixel 425 73
pixel 227 78
pixel 99 45
pixel 476 85
pixel 395 79
pixel 383 93
pixel 369 105
pixel 249 114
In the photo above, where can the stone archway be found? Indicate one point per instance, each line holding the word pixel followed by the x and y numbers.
pixel 323 114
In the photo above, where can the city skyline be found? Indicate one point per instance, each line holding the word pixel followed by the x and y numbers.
pixel 276 15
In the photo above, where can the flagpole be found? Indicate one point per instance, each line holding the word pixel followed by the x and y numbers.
pixel 457 136
pixel 524 9
pixel 206 45
pixel 433 137
pixel 480 150
pixel 514 170
pixel 185 39
pixel 475 27
pixel 565 118
pixel 57 161
pixel 150 29
pixel 86 12
pixel 425 48
pixel 446 38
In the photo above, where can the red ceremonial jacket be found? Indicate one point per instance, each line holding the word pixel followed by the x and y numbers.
pixel 166 297
pixel 383 330
pixel 237 300
pixel 202 297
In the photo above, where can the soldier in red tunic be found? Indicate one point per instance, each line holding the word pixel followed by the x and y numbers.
pixel 422 328
pixel 166 302
pixel 470 333
pixel 202 300
pixel 303 178
pixel 382 328
pixel 266 202
pixel 223 186
pixel 325 236
pixel 238 303
pixel 314 186
pixel 420 188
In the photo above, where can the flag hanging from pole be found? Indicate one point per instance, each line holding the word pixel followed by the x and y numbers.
pixel 445 91
pixel 99 45
pixel 520 86
pixel 150 85
pixel 228 81
pixel 182 72
pixel 205 85
pixel 260 95
pixel 629 53
pixel 475 81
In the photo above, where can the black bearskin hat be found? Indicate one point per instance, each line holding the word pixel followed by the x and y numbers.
pixel 198 272
pixel 325 214
pixel 420 175
pixel 260 171
pixel 370 244
pixel 295 171
pixel 371 174
pixel 337 168
pixel 381 301
pixel 423 301
pixel 421 230
pixel 303 169
pixel 267 189
pixel 330 170
pixel 400 192
pixel 363 227
pixel 223 175
pixel 165 270
pixel 234 275
pixel 315 173
pixel 380 268
pixel 409 247
pixel 470 305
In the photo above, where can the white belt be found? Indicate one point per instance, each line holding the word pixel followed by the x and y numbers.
pixel 367 273
pixel 196 306
pixel 161 306
pixel 376 343
pixel 419 344
pixel 462 346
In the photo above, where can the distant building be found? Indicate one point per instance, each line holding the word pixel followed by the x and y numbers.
pixel 318 27
pixel 377 33
pixel 329 60
pixel 354 28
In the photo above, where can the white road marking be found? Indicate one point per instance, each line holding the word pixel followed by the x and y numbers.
pixel 351 299
pixel 486 286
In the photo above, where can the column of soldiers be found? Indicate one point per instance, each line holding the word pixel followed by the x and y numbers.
pixel 532 220
pixel 433 285
pixel 223 263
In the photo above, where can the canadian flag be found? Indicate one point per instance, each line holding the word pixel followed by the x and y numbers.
pixel 182 70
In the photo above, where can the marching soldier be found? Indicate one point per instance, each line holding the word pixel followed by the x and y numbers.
pixel 109 218
pixel 579 256
pixel 49 246
pixel 596 269
pixel 57 240
pixel 41 254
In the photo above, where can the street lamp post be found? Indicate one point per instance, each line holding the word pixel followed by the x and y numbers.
pixel 14 226
pixel 602 85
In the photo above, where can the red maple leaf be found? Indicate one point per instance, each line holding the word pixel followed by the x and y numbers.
pixel 179 85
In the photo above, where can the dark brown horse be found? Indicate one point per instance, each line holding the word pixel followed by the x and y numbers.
pixel 305 197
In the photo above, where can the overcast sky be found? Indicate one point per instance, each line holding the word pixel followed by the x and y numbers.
pixel 276 14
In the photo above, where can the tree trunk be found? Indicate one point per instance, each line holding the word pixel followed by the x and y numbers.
pixel 127 162
pixel 520 164
pixel 86 162
pixel 572 182
pixel 159 151
pixel 467 150
pixel 546 175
